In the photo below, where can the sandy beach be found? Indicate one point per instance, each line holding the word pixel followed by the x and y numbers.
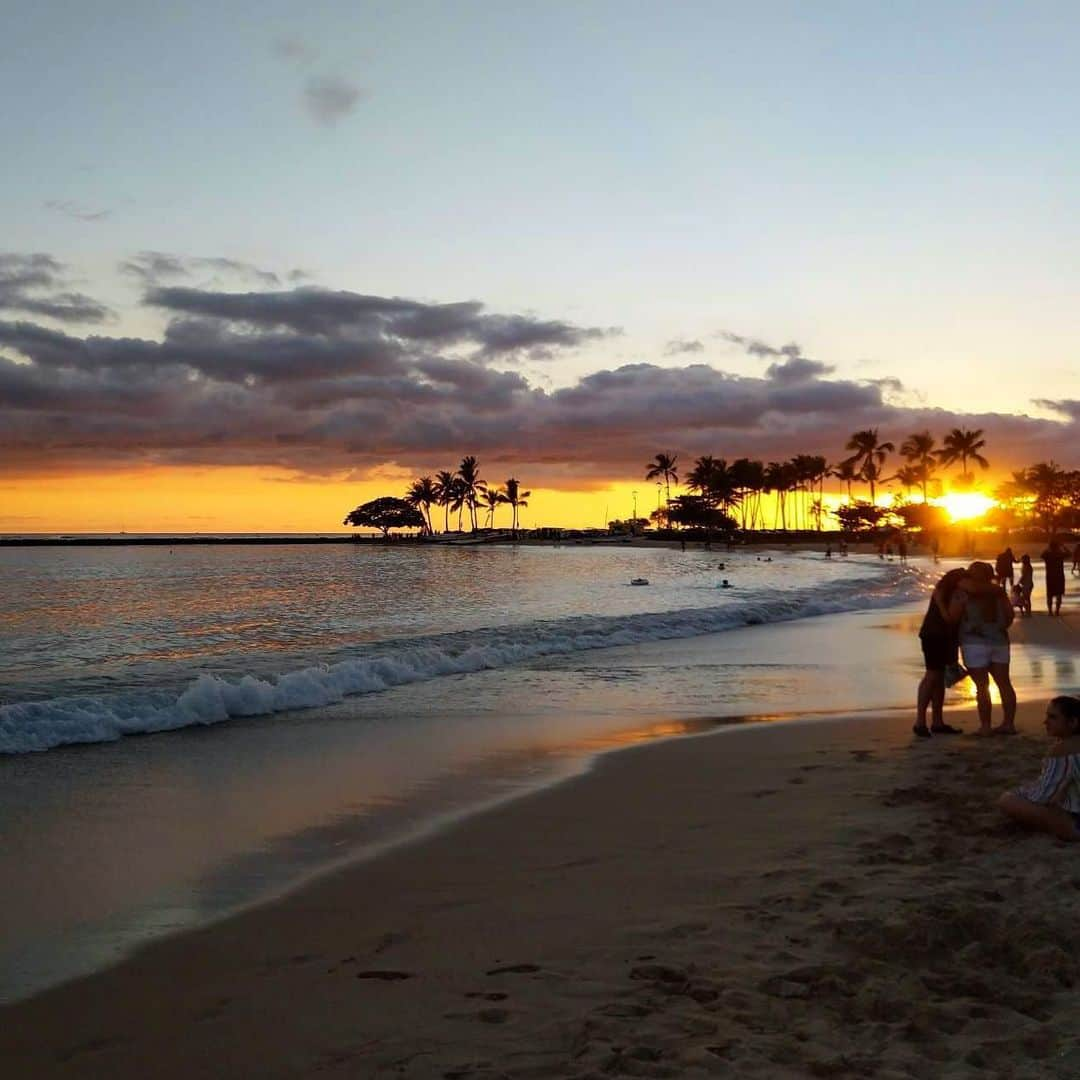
pixel 817 898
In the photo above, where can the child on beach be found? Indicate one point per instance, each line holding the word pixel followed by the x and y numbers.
pixel 1052 803
pixel 1026 583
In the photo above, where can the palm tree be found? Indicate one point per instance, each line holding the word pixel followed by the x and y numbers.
pixel 961 445
pixel 472 486
pixel 869 452
pixel 492 498
pixel 422 494
pixel 918 450
pixel 847 473
pixel 445 493
pixel 909 476
pixel 663 465
pixel 517 498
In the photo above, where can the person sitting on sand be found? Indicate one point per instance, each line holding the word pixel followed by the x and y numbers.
pixel 983 613
pixel 1052 803
pixel 940 649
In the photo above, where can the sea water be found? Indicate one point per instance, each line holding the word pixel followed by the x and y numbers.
pixel 314 704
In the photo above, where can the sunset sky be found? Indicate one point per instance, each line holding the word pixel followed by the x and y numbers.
pixel 260 262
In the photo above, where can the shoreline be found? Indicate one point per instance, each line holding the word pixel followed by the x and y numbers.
pixel 584 891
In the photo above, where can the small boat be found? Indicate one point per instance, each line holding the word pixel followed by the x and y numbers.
pixel 639 581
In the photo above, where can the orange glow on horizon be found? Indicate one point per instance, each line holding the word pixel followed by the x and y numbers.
pixel 247 499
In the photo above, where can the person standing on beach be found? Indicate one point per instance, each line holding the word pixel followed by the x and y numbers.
pixel 1003 566
pixel 940 650
pixel 983 613
pixel 1052 803
pixel 1076 560
pixel 1054 560
pixel 1027 584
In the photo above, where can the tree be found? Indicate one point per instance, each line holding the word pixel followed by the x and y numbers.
pixel 445 493
pixel 663 465
pixel 962 445
pixel 918 450
pixel 847 472
pixel 517 498
pixel 695 512
pixel 422 494
pixel 385 514
pixel 862 517
pixel 492 498
pixel 1049 484
pixel 909 476
pixel 869 457
pixel 471 485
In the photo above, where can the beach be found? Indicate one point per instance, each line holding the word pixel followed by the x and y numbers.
pixel 821 897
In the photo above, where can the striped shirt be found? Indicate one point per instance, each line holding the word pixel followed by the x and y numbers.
pixel 1058 784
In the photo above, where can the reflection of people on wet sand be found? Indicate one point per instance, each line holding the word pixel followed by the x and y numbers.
pixel 984 614
pixel 1054 560
pixel 1052 803
pixel 940 649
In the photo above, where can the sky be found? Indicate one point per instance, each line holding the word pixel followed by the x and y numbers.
pixel 261 261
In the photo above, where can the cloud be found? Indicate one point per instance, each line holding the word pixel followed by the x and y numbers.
pixel 295 49
pixel 76 210
pixel 330 98
pixel 1069 407
pixel 29 284
pixel 334 382
pixel 326 313
pixel 798 369
pixel 756 347
pixel 678 346
pixel 151 267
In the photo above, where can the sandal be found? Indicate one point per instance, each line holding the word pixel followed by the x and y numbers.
pixel 921 730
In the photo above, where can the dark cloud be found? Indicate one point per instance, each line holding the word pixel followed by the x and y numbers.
pixel 34 285
pixel 330 382
pixel 760 349
pixel 797 370
pixel 77 210
pixel 324 313
pixel 678 346
pixel 330 98
pixel 1069 407
pixel 151 267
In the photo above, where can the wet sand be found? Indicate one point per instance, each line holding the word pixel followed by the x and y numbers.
pixel 822 898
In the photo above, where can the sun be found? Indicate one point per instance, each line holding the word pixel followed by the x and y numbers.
pixel 964 505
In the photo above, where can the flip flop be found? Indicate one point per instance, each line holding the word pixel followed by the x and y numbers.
pixel 946 729
pixel 921 730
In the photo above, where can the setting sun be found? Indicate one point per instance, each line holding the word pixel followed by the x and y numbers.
pixel 964 505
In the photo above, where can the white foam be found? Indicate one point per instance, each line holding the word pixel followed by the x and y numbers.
pixel 210 699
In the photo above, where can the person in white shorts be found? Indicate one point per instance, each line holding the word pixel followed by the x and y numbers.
pixel 983 616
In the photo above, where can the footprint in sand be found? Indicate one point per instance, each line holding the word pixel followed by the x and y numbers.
pixel 494 995
pixel 514 969
pixel 385 976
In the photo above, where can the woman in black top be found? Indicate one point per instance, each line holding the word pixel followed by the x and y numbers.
pixel 940 649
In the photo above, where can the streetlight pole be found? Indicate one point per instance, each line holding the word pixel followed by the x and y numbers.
pixel 634 493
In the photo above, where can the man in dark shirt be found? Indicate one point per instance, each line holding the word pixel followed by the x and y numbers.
pixel 1054 560
pixel 1003 566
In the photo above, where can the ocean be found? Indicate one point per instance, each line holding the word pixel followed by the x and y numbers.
pixel 313 704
